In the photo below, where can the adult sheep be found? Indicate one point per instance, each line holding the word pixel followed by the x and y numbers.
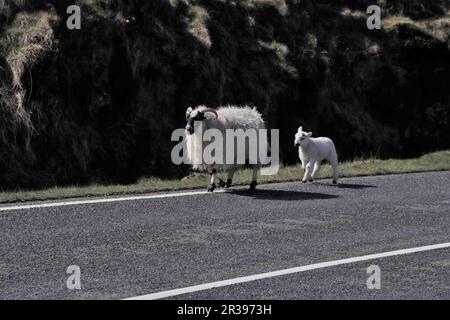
pixel 223 119
pixel 312 151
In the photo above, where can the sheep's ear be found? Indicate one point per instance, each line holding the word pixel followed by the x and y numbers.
pixel 300 129
pixel 309 134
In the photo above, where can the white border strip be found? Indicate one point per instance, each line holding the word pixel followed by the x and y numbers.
pixel 229 282
pixel 104 200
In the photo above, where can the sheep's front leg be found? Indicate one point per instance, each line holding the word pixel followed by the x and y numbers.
pixel 307 172
pixel 253 184
pixel 212 184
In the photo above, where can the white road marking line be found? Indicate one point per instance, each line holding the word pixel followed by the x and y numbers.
pixel 229 282
pixel 105 200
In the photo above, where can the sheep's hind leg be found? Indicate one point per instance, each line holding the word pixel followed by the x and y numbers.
pixel 230 177
pixel 253 184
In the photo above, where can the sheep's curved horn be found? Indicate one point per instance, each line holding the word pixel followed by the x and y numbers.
pixel 212 111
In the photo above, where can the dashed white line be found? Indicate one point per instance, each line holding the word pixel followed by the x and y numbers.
pixel 103 200
pixel 229 282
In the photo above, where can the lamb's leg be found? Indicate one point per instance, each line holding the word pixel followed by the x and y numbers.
pixel 212 184
pixel 307 172
pixel 254 176
pixel 334 165
pixel 316 170
pixel 230 177
pixel 333 160
pixel 311 169
pixel 303 160
pixel 335 173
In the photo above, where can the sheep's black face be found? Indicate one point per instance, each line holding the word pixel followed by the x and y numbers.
pixel 191 118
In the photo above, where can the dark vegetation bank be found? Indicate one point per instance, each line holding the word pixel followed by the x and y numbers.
pixel 99 104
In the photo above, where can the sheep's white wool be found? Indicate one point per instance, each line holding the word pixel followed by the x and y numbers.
pixel 195 149
pixel 312 151
pixel 240 117
pixel 228 117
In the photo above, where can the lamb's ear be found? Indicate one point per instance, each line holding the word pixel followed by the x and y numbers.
pixel 309 134
pixel 300 129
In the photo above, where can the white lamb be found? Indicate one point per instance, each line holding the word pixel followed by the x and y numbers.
pixel 312 151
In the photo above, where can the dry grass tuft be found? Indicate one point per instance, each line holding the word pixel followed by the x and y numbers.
pixel 282 51
pixel 280 5
pixel 438 28
pixel 198 26
pixel 28 39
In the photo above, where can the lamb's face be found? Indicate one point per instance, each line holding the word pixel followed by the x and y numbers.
pixel 302 138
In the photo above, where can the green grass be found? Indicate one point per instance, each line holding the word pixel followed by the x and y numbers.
pixel 437 161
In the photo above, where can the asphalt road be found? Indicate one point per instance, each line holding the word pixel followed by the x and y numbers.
pixel 130 248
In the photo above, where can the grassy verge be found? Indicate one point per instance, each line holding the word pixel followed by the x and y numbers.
pixel 437 161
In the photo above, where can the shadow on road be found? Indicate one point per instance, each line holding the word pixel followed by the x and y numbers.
pixel 347 185
pixel 281 195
